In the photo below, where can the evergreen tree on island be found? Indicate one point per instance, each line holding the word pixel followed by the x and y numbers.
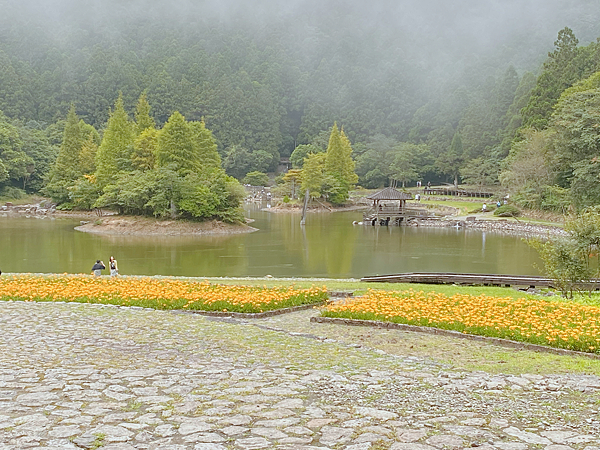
pixel 114 153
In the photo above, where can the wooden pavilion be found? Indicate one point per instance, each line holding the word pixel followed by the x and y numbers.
pixel 389 208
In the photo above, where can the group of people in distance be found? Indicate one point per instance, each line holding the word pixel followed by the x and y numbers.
pixel 99 267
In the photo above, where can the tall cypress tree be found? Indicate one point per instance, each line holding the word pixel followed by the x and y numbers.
pixel 176 145
pixel 114 153
pixel 143 156
pixel 143 119
pixel 348 165
pixel 67 168
pixel 67 162
pixel 206 146
pixel 87 156
pixel 339 164
pixel 334 153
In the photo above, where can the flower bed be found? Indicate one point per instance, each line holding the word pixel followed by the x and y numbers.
pixel 156 293
pixel 558 324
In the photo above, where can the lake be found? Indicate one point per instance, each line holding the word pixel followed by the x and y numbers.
pixel 327 246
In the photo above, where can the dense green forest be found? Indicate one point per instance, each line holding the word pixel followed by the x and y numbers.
pixel 424 91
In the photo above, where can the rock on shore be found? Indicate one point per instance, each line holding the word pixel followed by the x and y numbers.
pixel 500 226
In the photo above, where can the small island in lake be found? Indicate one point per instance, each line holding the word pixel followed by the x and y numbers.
pixel 144 226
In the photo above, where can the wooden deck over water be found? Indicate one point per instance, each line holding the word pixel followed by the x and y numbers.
pixel 473 279
pixel 395 214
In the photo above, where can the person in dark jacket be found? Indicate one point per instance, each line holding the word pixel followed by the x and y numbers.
pixel 98 268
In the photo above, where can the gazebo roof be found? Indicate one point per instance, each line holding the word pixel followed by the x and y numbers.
pixel 390 193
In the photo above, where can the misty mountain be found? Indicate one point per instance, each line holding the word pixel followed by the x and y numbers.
pixel 269 75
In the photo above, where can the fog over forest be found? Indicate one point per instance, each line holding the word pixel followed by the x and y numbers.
pixel 267 76
pixel 435 35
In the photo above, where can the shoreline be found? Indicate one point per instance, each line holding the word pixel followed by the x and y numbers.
pixel 504 226
pixel 112 224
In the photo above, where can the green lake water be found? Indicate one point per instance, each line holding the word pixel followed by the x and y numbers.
pixel 327 246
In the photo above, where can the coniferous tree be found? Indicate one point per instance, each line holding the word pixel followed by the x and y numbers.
pixel 348 165
pixel 206 145
pixel 87 156
pixel 67 167
pixel 144 152
pixel 334 154
pixel 143 119
pixel 339 164
pixel 176 146
pixel 558 74
pixel 114 153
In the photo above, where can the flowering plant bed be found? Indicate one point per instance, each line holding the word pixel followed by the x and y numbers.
pixel 560 324
pixel 156 293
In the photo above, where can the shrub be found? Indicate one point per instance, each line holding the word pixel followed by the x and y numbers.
pixel 12 193
pixel 256 179
pixel 507 211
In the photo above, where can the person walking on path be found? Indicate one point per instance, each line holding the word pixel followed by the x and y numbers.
pixel 98 268
pixel 112 265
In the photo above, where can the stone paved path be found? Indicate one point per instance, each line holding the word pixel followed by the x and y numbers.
pixel 84 376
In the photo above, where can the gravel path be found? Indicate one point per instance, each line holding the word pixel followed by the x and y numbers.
pixel 90 376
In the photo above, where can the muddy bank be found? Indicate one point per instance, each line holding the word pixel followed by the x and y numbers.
pixel 142 226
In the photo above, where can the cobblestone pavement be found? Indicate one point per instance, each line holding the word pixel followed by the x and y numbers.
pixel 88 376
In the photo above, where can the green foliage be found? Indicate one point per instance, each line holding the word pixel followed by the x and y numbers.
pixel 314 177
pixel 383 159
pixel 239 161
pixel 114 153
pixel 573 260
pixel 481 172
pixel 84 193
pixel 256 179
pixel 563 262
pixel 143 156
pixel 87 155
pixel 143 119
pixel 67 167
pixel 176 146
pixel 12 193
pixel 289 183
pixel 261 93
pixel 206 146
pixel 403 167
pixel 300 153
pixel 451 161
pixel 556 198
pixel 507 211
pixel 560 71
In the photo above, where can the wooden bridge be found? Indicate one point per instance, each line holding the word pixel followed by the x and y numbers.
pixel 473 279
pixel 456 192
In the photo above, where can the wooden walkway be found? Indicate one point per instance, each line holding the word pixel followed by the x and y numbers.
pixel 455 192
pixel 473 279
